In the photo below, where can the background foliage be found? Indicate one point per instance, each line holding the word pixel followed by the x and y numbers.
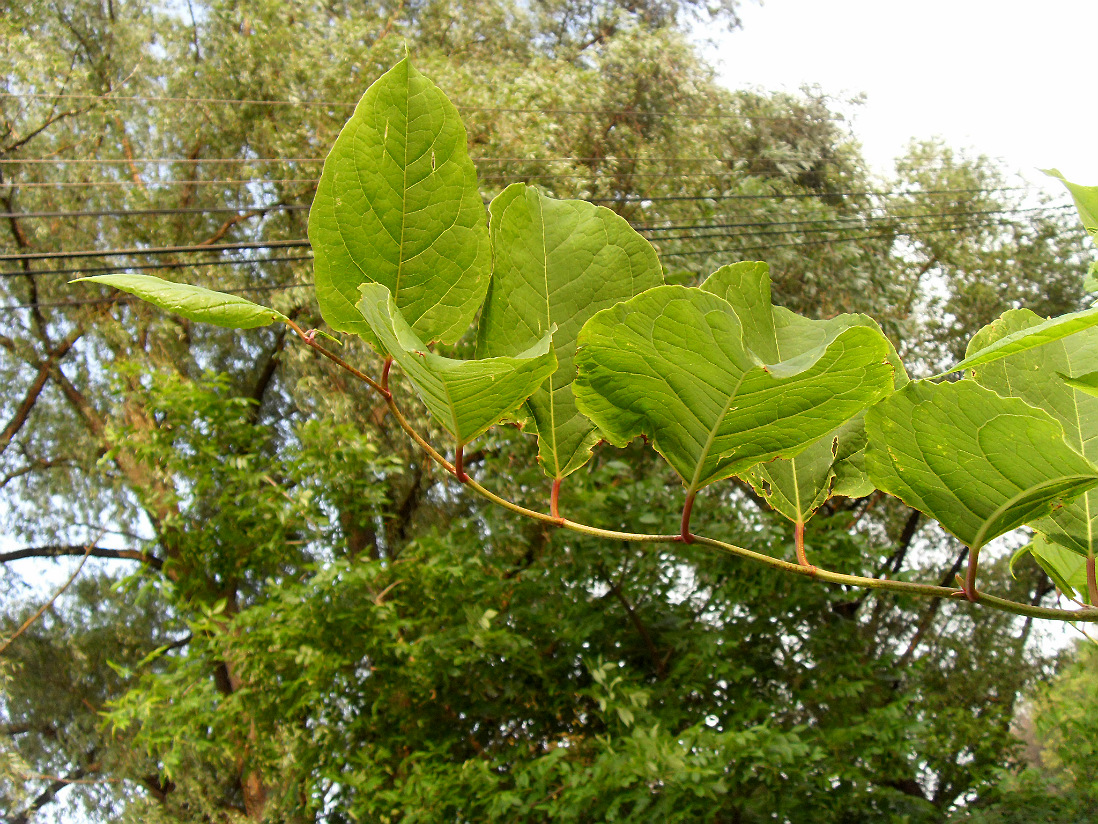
pixel 289 615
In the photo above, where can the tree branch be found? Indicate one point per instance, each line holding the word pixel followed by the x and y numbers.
pixel 57 551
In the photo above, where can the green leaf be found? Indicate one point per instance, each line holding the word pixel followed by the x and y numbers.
pixel 558 262
pixel 982 351
pixel 1041 377
pixel 979 463
pixel 1086 201
pixel 796 487
pixel 398 204
pixel 466 397
pixel 1066 568
pixel 194 302
pixel 671 364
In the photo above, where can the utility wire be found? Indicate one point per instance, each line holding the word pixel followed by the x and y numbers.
pixel 158 250
pixel 84 270
pixel 351 104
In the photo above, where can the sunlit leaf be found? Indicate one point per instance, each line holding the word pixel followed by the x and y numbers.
pixel 192 302
pixel 398 205
pixel 558 262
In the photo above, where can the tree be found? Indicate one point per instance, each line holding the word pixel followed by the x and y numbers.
pixel 345 631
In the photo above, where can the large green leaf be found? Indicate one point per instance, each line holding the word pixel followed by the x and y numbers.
pixel 398 205
pixel 979 463
pixel 1031 337
pixel 192 302
pixel 1036 376
pixel 558 262
pixel 1086 201
pixel 466 397
pixel 671 364
pixel 797 486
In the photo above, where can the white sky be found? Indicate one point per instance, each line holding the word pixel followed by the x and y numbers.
pixel 1012 80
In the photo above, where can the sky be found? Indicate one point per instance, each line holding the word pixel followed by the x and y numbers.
pixel 1011 80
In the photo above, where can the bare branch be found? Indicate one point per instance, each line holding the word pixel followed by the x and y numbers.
pixel 73 551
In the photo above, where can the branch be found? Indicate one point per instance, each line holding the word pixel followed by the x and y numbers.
pixel 44 370
pixel 48 603
pixel 61 551
pixel 817 573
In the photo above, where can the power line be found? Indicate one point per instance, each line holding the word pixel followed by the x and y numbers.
pixel 852 218
pixel 91 184
pixel 158 250
pixel 190 210
pixel 84 270
pixel 849 239
pixel 348 104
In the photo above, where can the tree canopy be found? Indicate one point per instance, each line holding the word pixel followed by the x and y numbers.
pixel 290 615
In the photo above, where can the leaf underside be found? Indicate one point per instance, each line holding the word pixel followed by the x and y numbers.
pixel 979 463
pixel 671 364
pixel 1037 376
pixel 797 486
pixel 466 397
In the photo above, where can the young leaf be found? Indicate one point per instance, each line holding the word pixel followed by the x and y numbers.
pixel 558 262
pixel 398 205
pixel 466 397
pixel 797 486
pixel 1048 331
pixel 671 364
pixel 192 302
pixel 1040 378
pixel 1086 201
pixel 979 463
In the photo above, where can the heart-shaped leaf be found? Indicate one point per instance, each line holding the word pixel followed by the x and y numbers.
pixel 1040 378
pixel 398 204
pixel 796 487
pixel 671 364
pixel 558 262
pixel 979 463
pixel 194 302
pixel 466 397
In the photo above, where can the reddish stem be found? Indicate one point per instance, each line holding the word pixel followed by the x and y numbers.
pixel 970 576
pixel 1092 581
pixel 459 470
pixel 554 499
pixel 687 507
pixel 798 541
pixel 385 375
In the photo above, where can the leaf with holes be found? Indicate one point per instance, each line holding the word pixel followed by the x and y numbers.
pixel 671 364
pixel 194 302
pixel 465 397
pixel 796 487
pixel 398 204
pixel 557 263
pixel 979 463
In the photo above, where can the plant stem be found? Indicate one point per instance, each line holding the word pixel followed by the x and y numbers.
pixel 798 541
pixel 900 587
pixel 554 499
pixel 970 575
pixel 336 359
pixel 459 470
pixel 687 508
pixel 1092 582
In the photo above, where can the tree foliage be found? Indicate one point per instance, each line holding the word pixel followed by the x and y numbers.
pixel 316 624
